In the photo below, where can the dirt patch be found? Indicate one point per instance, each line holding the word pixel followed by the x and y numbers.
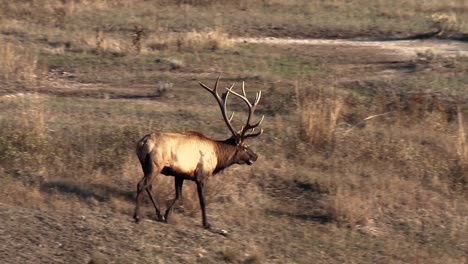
pixel 66 237
pixel 293 31
pixel 402 48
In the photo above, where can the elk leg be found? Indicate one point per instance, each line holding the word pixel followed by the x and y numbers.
pixel 146 184
pixel 178 182
pixel 153 201
pixel 201 197
pixel 136 214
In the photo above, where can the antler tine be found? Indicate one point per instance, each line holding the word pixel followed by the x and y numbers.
pixel 254 134
pixel 257 97
pixel 222 102
pixel 206 87
pixel 243 89
pixel 216 84
pixel 258 123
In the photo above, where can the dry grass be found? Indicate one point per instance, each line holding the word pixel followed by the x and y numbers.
pixel 373 179
pixel 193 19
pixel 191 41
pixel 236 255
pixel 349 209
pixel 319 113
pixel 103 43
pixel 19 64
pixel 462 148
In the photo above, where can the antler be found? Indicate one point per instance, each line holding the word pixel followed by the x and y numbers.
pixel 222 105
pixel 222 102
pixel 243 132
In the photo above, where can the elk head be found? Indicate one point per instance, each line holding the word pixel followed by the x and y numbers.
pixel 244 154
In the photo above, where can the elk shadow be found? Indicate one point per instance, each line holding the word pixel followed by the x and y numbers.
pixel 308 199
pixel 317 218
pixel 100 192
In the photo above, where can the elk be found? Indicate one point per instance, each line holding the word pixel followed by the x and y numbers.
pixel 193 156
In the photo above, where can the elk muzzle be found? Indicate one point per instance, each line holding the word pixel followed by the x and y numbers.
pixel 252 159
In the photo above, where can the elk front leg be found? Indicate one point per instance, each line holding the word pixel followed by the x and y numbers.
pixel 201 198
pixel 178 183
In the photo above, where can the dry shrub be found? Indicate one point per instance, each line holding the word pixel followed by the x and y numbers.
pixel 445 23
pixel 24 139
pixel 139 42
pixel 18 193
pixel 104 43
pixel 42 12
pixel 137 35
pixel 462 148
pixel 256 256
pixel 349 208
pixel 19 64
pixel 460 173
pixel 231 255
pixel 319 112
pixel 413 110
pixel 191 41
pixel 238 255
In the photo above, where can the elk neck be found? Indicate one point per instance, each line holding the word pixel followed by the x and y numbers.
pixel 225 151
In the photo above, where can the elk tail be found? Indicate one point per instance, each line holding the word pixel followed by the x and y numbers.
pixel 143 149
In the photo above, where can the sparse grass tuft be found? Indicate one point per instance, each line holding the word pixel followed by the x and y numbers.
pixel 231 255
pixel 25 137
pixel 446 24
pixel 191 41
pixel 319 112
pixel 19 65
pixel 349 209
pixel 101 42
pixel 462 147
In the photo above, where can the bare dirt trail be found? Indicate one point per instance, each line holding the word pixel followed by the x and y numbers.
pixel 406 48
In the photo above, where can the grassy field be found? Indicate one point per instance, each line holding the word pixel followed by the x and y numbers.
pixel 355 165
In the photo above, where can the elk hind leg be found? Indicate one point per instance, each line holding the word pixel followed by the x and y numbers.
pixel 149 170
pixel 153 201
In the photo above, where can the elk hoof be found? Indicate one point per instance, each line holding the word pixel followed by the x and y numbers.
pixel 222 232
pixel 160 218
pixel 166 216
pixel 207 226
pixel 137 218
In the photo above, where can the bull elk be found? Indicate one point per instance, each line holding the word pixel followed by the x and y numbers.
pixel 193 156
